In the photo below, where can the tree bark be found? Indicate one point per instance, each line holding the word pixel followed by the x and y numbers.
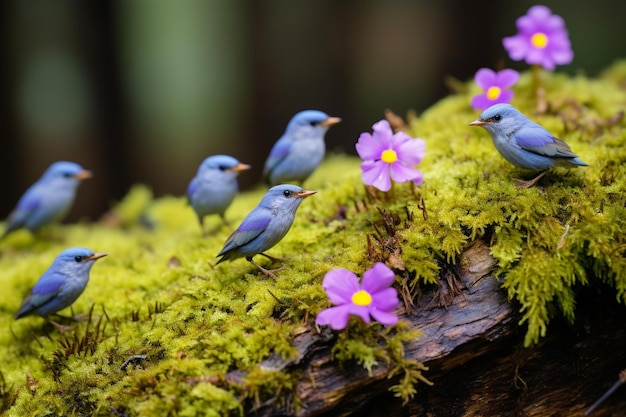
pixel 473 349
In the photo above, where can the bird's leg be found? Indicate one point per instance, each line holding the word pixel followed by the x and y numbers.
pixel 267 272
pixel 73 317
pixel 205 233
pixel 529 183
pixel 213 231
pixel 226 222
pixel 61 327
pixel 273 259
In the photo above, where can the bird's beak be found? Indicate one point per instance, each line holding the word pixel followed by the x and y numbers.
pixel 240 167
pixel 331 121
pixel 83 175
pixel 479 123
pixel 305 193
pixel 95 256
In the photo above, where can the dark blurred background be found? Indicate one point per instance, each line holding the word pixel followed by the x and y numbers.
pixel 144 90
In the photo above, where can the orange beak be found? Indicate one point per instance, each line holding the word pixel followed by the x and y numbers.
pixel 331 121
pixel 96 256
pixel 240 167
pixel 83 175
pixel 479 123
pixel 305 193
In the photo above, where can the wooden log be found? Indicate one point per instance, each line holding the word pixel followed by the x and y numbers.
pixel 473 350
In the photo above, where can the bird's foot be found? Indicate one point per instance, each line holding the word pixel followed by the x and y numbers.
pixel 61 327
pixel 528 183
pixel 270 272
pixel 80 317
pixel 267 272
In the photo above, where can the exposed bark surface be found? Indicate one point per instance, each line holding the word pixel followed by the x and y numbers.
pixel 473 349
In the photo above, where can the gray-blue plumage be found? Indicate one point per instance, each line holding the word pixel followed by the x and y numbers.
pixel 266 224
pixel 300 149
pixel 63 282
pixel 525 143
pixel 215 185
pixel 49 199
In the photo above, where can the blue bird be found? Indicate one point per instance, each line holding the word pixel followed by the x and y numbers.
pixel 63 282
pixel 300 149
pixel 524 143
pixel 215 185
pixel 49 199
pixel 265 226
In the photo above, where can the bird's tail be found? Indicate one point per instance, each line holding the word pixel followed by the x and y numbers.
pixel 578 161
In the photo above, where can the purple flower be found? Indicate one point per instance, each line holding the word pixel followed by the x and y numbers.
pixel 388 156
pixel 374 298
pixel 542 39
pixel 494 85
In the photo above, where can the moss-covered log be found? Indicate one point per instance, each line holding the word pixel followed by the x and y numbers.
pixel 472 348
pixel 500 287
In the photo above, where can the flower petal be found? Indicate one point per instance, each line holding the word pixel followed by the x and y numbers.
pixel 535 19
pixel 485 78
pixel 369 148
pixel 377 278
pixel 505 96
pixel 539 13
pixel 386 300
pixel 360 311
pixel 411 151
pixel 383 133
pixel 507 78
pixel 540 57
pixel 336 317
pixel 554 23
pixel 340 284
pixel 562 56
pixel 402 173
pixel 516 46
pixel 480 102
pixel 388 319
pixel 419 179
pixel 376 174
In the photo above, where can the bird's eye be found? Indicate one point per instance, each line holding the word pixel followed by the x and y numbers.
pixel 222 168
pixel 286 193
pixel 78 258
pixel 313 124
pixel 497 117
pixel 68 175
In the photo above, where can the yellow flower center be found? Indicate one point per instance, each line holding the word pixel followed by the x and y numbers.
pixel 362 297
pixel 493 93
pixel 539 40
pixel 389 156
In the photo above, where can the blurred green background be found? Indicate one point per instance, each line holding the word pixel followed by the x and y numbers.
pixel 144 90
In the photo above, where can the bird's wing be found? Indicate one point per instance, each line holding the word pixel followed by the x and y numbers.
pixel 45 290
pixel 538 140
pixel 28 204
pixel 251 227
pixel 277 154
pixel 191 189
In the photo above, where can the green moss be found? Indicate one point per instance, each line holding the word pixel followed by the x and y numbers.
pixel 205 329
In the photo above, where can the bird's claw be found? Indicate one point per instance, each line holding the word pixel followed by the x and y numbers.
pixel 61 327
pixel 270 272
pixel 521 184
